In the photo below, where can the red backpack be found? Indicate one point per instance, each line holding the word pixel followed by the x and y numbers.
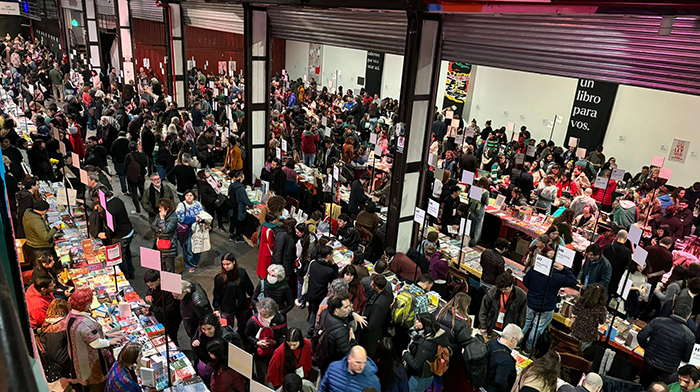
pixel 267 333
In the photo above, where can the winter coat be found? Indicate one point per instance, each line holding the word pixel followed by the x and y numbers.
pixel 237 191
pixel 535 282
pixel 37 305
pixel 491 306
pixel 438 267
pixel 501 369
pixel 284 252
pixel 338 330
pixel 457 330
pixel 666 342
pixel 338 378
pixel 280 292
pixel 492 264
pixel 149 199
pixel 278 324
pixel 193 307
pixel 55 342
pixel 266 244
pixel 349 236
pixel 225 378
pixel 598 271
pixel 166 229
pixel 37 231
pixel 231 297
pixel 309 140
pixel 321 273
pixel 142 160
pixel 171 313
pixel 376 311
pixel 422 350
pixel 625 214
pixel 302 357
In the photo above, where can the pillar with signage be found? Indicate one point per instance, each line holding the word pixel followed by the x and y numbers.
pixel 175 60
pixel 419 87
pixel 126 44
pixel 93 35
pixel 257 48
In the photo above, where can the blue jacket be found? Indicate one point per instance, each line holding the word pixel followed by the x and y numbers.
pixel 338 378
pixel 536 283
pixel 237 190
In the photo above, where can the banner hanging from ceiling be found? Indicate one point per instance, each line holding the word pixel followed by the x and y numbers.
pixel 456 85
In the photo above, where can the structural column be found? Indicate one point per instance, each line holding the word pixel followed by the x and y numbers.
pixel 93 35
pixel 420 78
pixel 126 43
pixel 257 49
pixel 175 53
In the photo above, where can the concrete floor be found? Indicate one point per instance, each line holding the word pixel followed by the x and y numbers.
pixel 209 264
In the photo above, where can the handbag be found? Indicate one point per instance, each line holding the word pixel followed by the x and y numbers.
pixel 305 285
pixel 182 229
pixel 163 244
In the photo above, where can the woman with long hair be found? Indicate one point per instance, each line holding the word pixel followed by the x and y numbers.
pixel 293 356
pixel 590 312
pixel 356 290
pixel 209 329
pixel 223 378
pixel 563 224
pixel 284 252
pixel 164 226
pixel 44 267
pixel 391 373
pixel 214 202
pixel 426 335
pixel 232 292
pixel 455 321
pixel 188 214
pixel 673 286
pixel 541 375
pixel 122 376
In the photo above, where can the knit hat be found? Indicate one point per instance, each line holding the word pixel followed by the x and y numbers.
pixel 41 205
pixel 432 236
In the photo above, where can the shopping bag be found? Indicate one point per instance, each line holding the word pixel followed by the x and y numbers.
pixel 200 239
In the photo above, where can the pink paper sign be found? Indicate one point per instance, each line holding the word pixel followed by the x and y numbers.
pixel 110 220
pixel 103 200
pixel 665 173
pixel 150 258
pixel 657 161
pixel 76 159
pixel 171 282
pixel 83 177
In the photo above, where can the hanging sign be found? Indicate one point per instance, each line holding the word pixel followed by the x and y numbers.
pixel 590 114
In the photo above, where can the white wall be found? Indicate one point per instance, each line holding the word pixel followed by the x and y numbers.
pixel 296 59
pixel 350 62
pixel 530 99
pixel 646 118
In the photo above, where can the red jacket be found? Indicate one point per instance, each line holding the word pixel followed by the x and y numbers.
pixel 275 372
pixel 308 142
pixel 598 193
pixel 37 305
pixel 267 245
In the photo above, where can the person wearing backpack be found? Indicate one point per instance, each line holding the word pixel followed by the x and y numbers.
pixel 118 150
pixel 264 332
pixel 427 340
pixel 408 303
pixel 239 201
pixel 334 336
pixel 321 272
pixel 210 329
pixel 455 321
pixel 501 367
pixel 135 164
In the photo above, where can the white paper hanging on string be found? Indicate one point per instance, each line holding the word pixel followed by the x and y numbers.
pixel 695 356
pixel 565 256
pixel 455 123
pixel 467 177
pixel 465 226
pixel 432 159
pixel 475 193
pixel 623 288
pixel 284 145
pixel 580 152
pixel 510 126
pixel 640 256
pixel 531 150
pixel 336 173
pixel 617 175
pixel 433 208
pixel 543 265
pixel 328 132
pixel 373 138
pixel 279 153
pixel 459 140
pixel 601 183
pixel 635 234
pixel 324 120
pixel 573 141
pixel 378 149
pixel 419 216
pixel 449 114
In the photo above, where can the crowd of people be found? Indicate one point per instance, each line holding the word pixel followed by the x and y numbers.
pixel 363 335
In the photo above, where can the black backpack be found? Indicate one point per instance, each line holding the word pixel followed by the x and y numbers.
pixel 133 171
pixel 320 351
pixel 476 358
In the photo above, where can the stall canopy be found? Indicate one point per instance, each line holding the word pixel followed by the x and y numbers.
pixel 214 16
pixel 380 31
pixel 147 10
pixel 631 50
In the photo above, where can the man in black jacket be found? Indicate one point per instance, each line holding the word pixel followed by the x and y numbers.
pixel 468 160
pixel 619 256
pixel 148 141
pixel 135 164
pixel 525 181
pixel 502 374
pixel 96 154
pixel 194 305
pixel 358 198
pixel 321 272
pixel 492 263
pixel 335 321
pixel 169 315
pixel 278 179
pixel 183 176
pixel 347 234
pixel 330 154
pixel 123 233
pixel 118 150
pixel 376 311
pixel 666 342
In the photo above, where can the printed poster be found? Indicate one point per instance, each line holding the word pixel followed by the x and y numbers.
pixel 679 150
